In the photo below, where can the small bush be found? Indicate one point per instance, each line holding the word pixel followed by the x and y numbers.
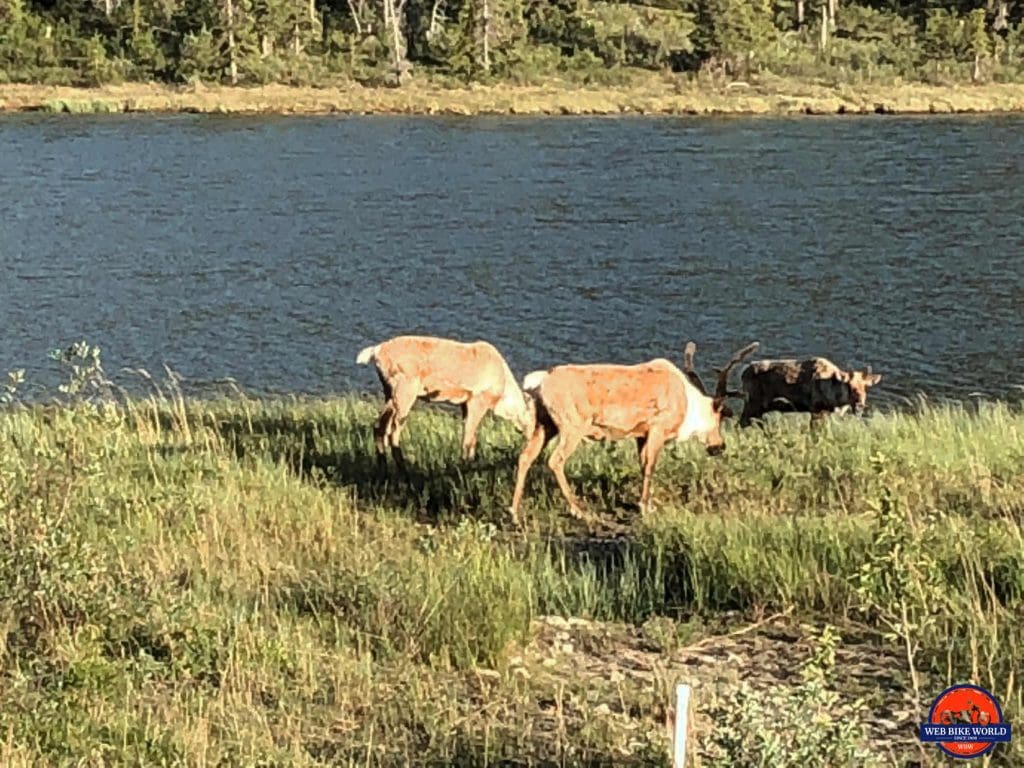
pixel 801 727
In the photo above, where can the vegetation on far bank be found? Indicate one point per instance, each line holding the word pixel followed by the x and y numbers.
pixel 233 582
pixel 671 47
pixel 643 95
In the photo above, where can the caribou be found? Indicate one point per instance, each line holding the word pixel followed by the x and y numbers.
pixel 653 402
pixel 472 375
pixel 814 385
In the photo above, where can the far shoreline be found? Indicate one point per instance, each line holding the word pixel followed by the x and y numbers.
pixel 652 96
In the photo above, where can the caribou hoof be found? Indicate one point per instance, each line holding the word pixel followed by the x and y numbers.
pixel 578 513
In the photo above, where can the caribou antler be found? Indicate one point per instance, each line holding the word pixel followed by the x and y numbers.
pixel 688 368
pixel 722 389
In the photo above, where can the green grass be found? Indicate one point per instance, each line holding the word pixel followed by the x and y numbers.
pixel 233 583
pixel 586 91
pixel 81 106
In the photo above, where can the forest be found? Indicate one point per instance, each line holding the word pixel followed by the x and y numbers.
pixel 454 42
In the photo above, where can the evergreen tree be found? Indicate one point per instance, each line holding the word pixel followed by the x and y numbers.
pixel 251 41
pixel 735 34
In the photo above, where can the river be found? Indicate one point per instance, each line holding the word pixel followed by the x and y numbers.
pixel 270 250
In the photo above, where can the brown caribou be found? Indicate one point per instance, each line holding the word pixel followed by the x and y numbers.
pixel 473 375
pixel 815 385
pixel 653 402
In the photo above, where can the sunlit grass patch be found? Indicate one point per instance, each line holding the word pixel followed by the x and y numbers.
pixel 234 580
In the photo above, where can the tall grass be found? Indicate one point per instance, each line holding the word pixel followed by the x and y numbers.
pixel 82 106
pixel 233 581
pixel 615 92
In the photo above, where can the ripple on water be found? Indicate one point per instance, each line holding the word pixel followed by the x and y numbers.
pixel 271 250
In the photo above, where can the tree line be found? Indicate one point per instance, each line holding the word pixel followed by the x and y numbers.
pixel 312 42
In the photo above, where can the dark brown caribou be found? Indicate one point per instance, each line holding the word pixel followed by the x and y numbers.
pixel 814 385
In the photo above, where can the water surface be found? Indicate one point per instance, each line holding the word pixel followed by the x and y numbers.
pixel 271 250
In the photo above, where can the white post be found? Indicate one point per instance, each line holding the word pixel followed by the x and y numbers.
pixel 682 725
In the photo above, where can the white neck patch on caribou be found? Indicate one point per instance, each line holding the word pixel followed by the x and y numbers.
pixel 700 416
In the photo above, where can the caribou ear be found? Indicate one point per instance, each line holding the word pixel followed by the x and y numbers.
pixel 688 369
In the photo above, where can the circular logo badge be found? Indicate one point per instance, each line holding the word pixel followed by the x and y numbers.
pixel 965 721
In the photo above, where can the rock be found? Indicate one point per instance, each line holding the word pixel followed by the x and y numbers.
pixel 555 621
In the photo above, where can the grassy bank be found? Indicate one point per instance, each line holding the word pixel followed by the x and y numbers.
pixel 669 95
pixel 214 583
